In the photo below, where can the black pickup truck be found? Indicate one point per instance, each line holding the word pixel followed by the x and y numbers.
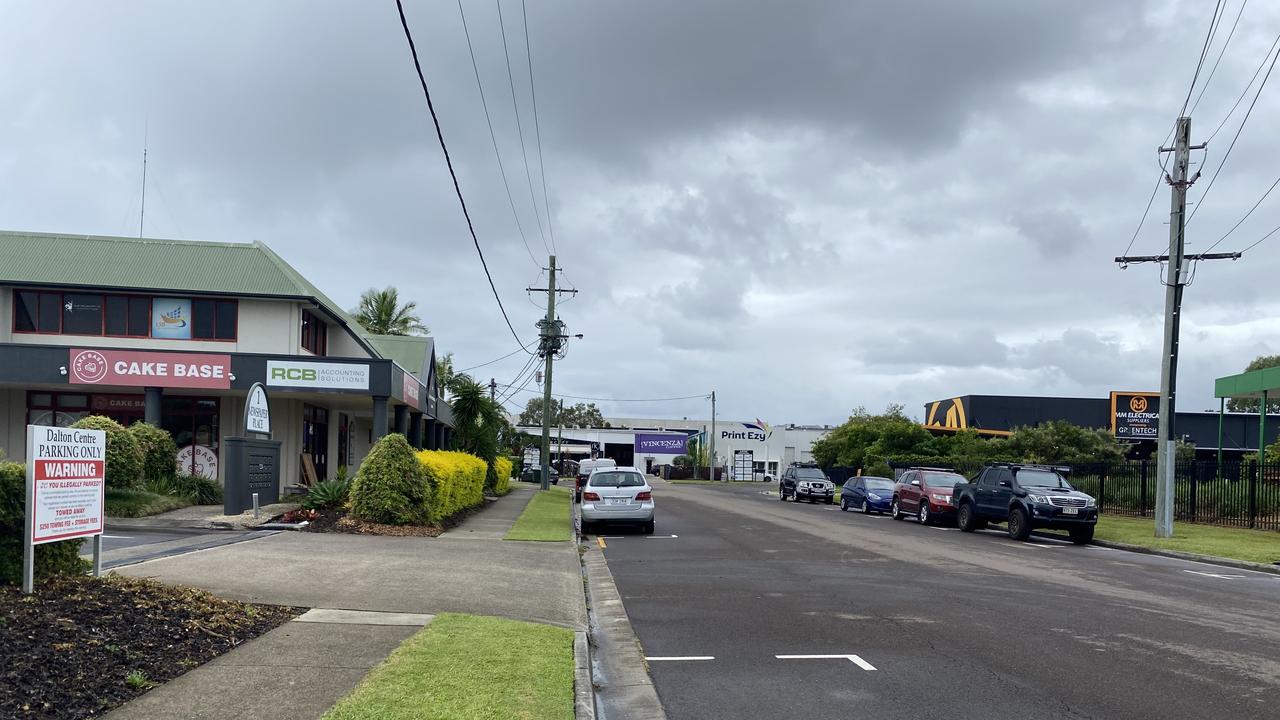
pixel 1026 497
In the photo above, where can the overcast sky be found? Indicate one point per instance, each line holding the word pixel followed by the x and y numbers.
pixel 805 206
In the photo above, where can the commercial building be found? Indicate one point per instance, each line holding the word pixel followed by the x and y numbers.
pixel 1131 416
pixel 175 333
pixel 649 442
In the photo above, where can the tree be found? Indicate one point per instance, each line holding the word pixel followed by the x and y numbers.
pixel 532 413
pixel 1059 441
pixel 1250 405
pixel 582 415
pixel 444 372
pixel 381 313
pixel 477 422
pixel 866 438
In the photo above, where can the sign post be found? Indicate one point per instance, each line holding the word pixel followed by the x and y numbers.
pixel 66 488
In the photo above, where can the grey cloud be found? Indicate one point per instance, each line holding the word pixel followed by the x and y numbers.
pixel 1054 232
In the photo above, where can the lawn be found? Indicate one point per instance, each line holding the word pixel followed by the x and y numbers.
pixel 1261 546
pixel 546 518
pixel 128 503
pixel 468 667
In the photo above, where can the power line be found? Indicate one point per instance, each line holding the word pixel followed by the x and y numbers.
pixel 483 364
pixel 520 128
pixel 605 399
pixel 1204 50
pixel 1246 215
pixel 526 374
pixel 1245 92
pixel 542 165
pixel 1221 52
pixel 1216 172
pixel 1259 241
pixel 404 23
pixel 494 138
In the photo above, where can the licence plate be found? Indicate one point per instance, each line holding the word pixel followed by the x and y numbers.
pixel 619 501
pixel 1070 511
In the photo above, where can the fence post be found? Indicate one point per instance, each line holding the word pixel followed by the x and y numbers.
pixel 1142 491
pixel 1102 487
pixel 1253 493
pixel 1192 495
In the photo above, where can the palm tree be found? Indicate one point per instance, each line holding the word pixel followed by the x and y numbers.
pixel 444 373
pixel 381 313
pixel 477 422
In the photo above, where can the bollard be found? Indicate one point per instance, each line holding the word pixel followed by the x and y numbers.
pixel 255 506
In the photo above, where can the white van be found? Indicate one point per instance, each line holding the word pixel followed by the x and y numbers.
pixel 584 471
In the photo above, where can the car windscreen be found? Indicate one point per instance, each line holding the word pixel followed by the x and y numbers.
pixel 878 484
pixel 616 479
pixel 943 480
pixel 1042 478
pixel 810 474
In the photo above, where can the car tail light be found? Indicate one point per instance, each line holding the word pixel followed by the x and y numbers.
pixel 644 496
pixel 588 495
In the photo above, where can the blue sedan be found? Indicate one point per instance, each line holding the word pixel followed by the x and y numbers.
pixel 868 494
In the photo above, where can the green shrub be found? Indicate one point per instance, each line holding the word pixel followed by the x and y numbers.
pixel 879 469
pixel 124 457
pixel 327 494
pixel 456 479
pixel 502 468
pixel 134 503
pixel 200 489
pixel 390 486
pixel 159 452
pixel 51 558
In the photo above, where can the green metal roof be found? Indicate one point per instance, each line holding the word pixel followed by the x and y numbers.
pixel 408 351
pixel 222 268
pixel 1249 384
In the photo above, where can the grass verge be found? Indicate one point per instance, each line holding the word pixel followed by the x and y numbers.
pixel 1261 546
pixel 128 503
pixel 545 519
pixel 467 667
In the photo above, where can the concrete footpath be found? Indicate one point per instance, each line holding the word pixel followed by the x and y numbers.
pixel 395 585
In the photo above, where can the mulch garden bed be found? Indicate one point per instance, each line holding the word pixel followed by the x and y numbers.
pixel 337 520
pixel 80 646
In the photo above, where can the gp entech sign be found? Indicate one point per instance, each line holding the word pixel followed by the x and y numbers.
pixel 1135 415
pixel 319 375
pixel 149 369
pixel 66 482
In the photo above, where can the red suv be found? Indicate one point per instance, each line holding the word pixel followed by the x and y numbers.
pixel 926 493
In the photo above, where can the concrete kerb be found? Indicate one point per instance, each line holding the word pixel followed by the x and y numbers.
pixel 1178 555
pixel 621 681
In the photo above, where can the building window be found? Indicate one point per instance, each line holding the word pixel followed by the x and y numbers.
pixel 56 409
pixel 315 334
pixel 124 316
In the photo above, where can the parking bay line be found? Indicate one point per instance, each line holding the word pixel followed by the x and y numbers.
pixel 851 658
pixel 1215 575
pixel 677 658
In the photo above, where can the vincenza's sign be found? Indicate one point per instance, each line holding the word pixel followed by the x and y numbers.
pixel 257 414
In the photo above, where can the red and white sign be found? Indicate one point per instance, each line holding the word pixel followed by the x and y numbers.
pixel 149 369
pixel 118 403
pixel 66 479
pixel 411 389
pixel 198 460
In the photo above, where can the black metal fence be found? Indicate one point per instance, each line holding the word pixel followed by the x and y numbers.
pixel 1240 493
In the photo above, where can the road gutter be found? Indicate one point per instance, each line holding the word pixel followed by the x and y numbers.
pixel 1194 557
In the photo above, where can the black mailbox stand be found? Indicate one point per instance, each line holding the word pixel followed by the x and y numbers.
pixel 252 466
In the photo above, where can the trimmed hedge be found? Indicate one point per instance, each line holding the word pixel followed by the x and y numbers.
pixel 159 452
pixel 456 480
pixel 390 486
pixel 51 558
pixel 503 467
pixel 124 456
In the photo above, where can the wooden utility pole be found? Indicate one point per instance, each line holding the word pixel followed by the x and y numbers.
pixel 551 338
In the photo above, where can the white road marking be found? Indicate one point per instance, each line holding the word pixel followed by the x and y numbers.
pixel 680 657
pixel 851 658
pixel 1215 575
pixel 659 537
pixel 935 527
pixel 118 537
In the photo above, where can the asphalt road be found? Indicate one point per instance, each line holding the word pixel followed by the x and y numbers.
pixel 955 625
pixel 127 546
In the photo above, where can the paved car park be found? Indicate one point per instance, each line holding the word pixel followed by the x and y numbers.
pixel 125 546
pixel 754 608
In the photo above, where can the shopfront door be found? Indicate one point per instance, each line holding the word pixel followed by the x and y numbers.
pixel 315 439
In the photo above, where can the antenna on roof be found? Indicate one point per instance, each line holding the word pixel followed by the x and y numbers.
pixel 143 214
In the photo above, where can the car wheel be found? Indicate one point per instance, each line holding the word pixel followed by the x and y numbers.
pixel 896 510
pixel 782 495
pixel 648 528
pixel 830 500
pixel 1019 527
pixel 866 508
pixel 1082 536
pixel 922 514
pixel 965 519
pixel 844 505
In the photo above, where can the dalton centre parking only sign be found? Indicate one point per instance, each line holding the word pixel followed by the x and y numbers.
pixel 66 485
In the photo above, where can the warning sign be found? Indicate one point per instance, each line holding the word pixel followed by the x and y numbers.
pixel 66 475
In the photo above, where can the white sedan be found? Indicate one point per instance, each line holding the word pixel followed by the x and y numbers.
pixel 618 495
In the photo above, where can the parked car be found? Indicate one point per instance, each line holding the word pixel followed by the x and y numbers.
pixel 926 493
pixel 534 475
pixel 1026 497
pixel 806 482
pixel 868 494
pixel 585 468
pixel 618 495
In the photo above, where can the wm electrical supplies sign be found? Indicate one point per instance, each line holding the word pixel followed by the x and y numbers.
pixel 319 375
pixel 66 482
pixel 1135 415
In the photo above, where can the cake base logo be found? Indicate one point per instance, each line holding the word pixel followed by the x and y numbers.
pixel 198 460
pixel 89 366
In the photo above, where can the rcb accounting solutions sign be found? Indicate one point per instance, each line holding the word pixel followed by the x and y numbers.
pixel 1135 415
pixel 149 369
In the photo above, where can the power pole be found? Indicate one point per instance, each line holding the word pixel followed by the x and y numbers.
pixel 712 460
pixel 1174 284
pixel 551 337
pixel 493 389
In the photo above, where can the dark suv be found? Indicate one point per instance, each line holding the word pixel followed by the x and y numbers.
pixel 806 482
pixel 1027 497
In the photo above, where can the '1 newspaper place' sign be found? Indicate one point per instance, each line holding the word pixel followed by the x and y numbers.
pixel 66 482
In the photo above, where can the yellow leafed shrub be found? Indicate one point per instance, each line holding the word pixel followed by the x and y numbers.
pixel 456 480
pixel 502 468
